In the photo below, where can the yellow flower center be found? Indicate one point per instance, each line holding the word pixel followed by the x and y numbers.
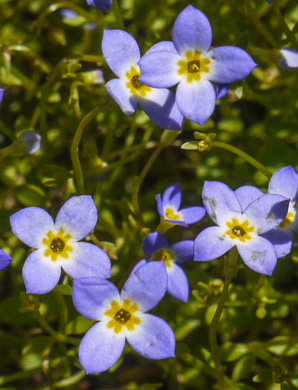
pixel 193 66
pixel 57 245
pixel 134 84
pixel 171 214
pixel 239 230
pixel 288 220
pixel 166 255
pixel 122 315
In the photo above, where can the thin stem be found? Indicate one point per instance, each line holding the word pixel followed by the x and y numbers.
pixel 71 380
pixel 164 226
pixel 74 151
pixel 282 23
pixel 118 15
pixel 267 172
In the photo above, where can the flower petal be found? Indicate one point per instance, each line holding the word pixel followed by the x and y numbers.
pixel 259 255
pixel 160 205
pixel 89 261
pixel 192 214
pixel 153 338
pixel 192 30
pixel 40 274
pixel 92 296
pixel 285 182
pixel 102 5
pixel 230 64
pixel 100 348
pixel 184 251
pixel 219 200
pixel 196 100
pixel 221 90
pixel 159 69
pixel 289 59
pixel 147 285
pixel 31 225
pixel 210 244
pixel 153 242
pixel 5 260
pixel 78 216
pixel 282 241
pixel 268 211
pixel 160 105
pixel 117 89
pixel 120 50
pixel 177 283
pixel 246 195
pixel 172 196
pixel 162 46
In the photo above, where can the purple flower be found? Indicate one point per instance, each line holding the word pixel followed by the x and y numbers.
pixel 102 5
pixel 169 208
pixel 289 59
pixel 123 316
pixel 285 182
pixel 5 260
pixel 122 54
pixel 31 141
pixel 1 94
pixel 57 244
pixel 157 247
pixel 188 63
pixel 242 216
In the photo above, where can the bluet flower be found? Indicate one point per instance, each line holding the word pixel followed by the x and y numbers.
pixel 5 260
pixel 1 94
pixel 288 59
pixel 102 5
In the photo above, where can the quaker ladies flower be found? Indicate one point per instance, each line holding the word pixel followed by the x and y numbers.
pixel 285 182
pixel 5 260
pixel 30 141
pixel 57 244
pixel 123 316
pixel 1 94
pixel 122 54
pixel 242 216
pixel 102 5
pixel 188 63
pixel 288 59
pixel 156 246
pixel 169 208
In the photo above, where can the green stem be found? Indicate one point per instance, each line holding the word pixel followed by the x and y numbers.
pixel 118 15
pixel 164 226
pixel 230 272
pixel 267 172
pixel 282 23
pixel 71 380
pixel 74 151
pixel 18 375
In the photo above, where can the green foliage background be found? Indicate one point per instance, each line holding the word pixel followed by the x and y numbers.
pixel 43 63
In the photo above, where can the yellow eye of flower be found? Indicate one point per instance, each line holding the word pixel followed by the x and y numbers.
pixel 166 255
pixel 288 220
pixel 239 230
pixel 122 315
pixel 171 214
pixel 134 84
pixel 57 245
pixel 193 66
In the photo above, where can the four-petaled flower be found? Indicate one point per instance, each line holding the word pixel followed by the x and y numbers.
pixel 187 61
pixel 123 316
pixel 169 208
pixel 5 260
pixel 57 244
pixel 122 54
pixel 242 216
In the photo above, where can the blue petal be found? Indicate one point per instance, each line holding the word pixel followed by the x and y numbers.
pixel 147 285
pixel 196 100
pixel 5 260
pixel 159 69
pixel 89 260
pixel 31 141
pixel 153 338
pixel 192 214
pixel 100 348
pixel 172 197
pixel 259 255
pixel 31 225
pixel 1 94
pixel 230 64
pixel 78 216
pixel 177 283
pixel 268 211
pixel 102 5
pixel 93 296
pixel 284 182
pixel 117 89
pixel 184 251
pixel 120 50
pixel 219 200
pixel 246 195
pixel 191 31
pixel 221 90
pixel 40 274
pixel 160 205
pixel 210 244
pixel 282 241
pixel 162 46
pixel 153 242
pixel 289 59
pixel 161 107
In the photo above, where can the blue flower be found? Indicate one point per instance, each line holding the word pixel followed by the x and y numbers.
pixel 188 63
pixel 169 208
pixel 5 260
pixel 242 216
pixel 123 316
pixel 122 54
pixel 288 59
pixel 31 141
pixel 102 5
pixel 285 182
pixel 1 94
pixel 157 247
pixel 56 244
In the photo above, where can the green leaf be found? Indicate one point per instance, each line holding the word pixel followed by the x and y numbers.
pixel 30 195
pixel 79 325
